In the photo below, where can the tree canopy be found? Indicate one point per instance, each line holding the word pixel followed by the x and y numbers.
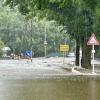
pixel 79 17
pixel 21 34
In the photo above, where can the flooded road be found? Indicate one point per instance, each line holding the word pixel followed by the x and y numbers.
pixel 49 89
pixel 40 80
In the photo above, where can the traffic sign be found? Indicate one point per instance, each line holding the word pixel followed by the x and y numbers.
pixel 64 48
pixel 45 43
pixel 92 40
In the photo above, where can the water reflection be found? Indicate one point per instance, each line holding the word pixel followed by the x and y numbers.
pixel 59 89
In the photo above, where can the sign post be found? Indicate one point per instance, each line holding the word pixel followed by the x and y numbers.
pixel 93 51
pixel 45 47
pixel 64 48
pixel 93 41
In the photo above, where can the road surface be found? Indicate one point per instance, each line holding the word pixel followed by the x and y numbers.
pixel 40 67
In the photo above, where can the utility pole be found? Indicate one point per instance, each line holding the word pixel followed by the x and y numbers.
pixel 31 40
pixel 45 43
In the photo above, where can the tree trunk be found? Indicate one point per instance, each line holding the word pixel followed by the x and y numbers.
pixel 77 52
pixel 86 55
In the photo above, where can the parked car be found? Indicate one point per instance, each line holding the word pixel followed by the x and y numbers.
pixel 71 54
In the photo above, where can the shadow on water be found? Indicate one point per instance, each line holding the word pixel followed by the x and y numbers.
pixel 49 89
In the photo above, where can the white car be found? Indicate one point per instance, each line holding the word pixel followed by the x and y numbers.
pixel 71 54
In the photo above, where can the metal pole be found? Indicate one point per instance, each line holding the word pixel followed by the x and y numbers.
pixel 93 51
pixel 45 51
pixel 63 58
pixel 31 54
pixel 31 40
pixel 64 55
pixel 45 42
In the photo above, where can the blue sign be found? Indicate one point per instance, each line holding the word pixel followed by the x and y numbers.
pixel 28 53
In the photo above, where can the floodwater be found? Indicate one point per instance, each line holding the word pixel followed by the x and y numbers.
pixel 22 81
pixel 49 89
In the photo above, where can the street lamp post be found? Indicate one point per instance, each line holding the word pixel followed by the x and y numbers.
pixel 45 42
pixel 31 41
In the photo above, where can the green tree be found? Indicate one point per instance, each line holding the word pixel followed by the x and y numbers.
pixel 80 24
pixel 1 44
pixel 20 34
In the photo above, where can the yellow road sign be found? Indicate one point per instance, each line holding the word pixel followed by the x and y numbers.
pixel 64 48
